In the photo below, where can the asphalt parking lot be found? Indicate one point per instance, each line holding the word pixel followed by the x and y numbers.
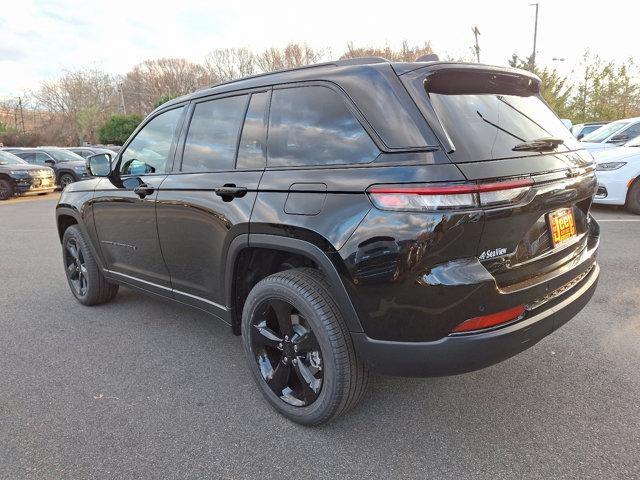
pixel 140 388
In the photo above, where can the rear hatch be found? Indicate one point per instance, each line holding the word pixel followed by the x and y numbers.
pixel 496 128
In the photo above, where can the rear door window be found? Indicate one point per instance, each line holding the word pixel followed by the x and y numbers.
pixel 41 158
pixel 213 134
pixel 312 125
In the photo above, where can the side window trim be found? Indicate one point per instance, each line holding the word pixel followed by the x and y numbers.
pixel 174 141
pixel 269 92
pixel 239 137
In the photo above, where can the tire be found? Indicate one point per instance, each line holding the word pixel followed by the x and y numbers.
pixel 633 198
pixel 65 179
pixel 339 377
pixel 6 189
pixel 86 281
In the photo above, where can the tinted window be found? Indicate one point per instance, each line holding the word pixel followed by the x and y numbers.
pixel 149 150
pixel 82 153
pixel 313 126
pixel 41 158
pixel 630 133
pixel 589 128
pixel 488 125
pixel 213 135
pixel 601 134
pixel 28 156
pixel 252 148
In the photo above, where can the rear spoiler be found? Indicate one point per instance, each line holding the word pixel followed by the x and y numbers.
pixel 467 76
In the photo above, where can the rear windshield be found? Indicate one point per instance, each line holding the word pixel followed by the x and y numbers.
pixel 486 114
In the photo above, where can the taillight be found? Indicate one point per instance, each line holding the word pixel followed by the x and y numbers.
pixel 491 320
pixel 445 196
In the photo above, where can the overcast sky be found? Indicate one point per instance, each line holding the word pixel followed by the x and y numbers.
pixel 41 38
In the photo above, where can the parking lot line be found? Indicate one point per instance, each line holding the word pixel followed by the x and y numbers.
pixel 618 220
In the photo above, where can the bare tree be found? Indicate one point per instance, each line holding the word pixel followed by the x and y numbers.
pixel 227 64
pixel 293 55
pixel 82 99
pixel 152 79
pixel 406 53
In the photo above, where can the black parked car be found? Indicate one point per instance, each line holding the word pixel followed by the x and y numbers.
pixel 86 152
pixel 18 177
pixel 417 219
pixel 68 166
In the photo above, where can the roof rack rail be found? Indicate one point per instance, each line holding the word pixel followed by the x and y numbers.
pixel 429 57
pixel 361 61
pixel 344 62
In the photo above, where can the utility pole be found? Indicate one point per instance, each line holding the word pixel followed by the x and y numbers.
pixel 124 109
pixel 21 113
pixel 535 37
pixel 476 32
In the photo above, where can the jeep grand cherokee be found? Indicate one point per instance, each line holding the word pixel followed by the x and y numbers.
pixel 425 218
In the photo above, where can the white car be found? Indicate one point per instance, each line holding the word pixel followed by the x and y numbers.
pixel 618 172
pixel 612 134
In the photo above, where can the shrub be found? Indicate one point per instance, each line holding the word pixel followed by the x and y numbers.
pixel 118 128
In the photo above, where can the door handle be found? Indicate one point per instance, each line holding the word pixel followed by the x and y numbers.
pixel 229 191
pixel 143 190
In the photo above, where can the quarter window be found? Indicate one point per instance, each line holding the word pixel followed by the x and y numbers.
pixel 252 148
pixel 213 135
pixel 313 126
pixel 149 151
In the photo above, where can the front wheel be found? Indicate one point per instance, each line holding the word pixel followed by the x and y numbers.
pixel 6 189
pixel 299 349
pixel 65 179
pixel 86 281
pixel 633 197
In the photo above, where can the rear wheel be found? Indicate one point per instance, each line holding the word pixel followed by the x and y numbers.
pixel 633 197
pixel 86 281
pixel 299 349
pixel 65 179
pixel 6 189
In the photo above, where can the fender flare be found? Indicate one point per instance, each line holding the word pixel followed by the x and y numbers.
pixel 300 247
pixel 72 212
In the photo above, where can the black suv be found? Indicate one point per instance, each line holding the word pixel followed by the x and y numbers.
pixel 415 219
pixel 68 166
pixel 17 177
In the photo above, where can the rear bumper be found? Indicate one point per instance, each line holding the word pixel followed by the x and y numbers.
pixel 456 354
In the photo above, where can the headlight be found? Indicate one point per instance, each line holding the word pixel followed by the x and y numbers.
pixel 610 166
pixel 79 168
pixel 19 174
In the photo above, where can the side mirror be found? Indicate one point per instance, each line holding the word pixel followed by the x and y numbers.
pixel 580 135
pixel 49 162
pixel 99 165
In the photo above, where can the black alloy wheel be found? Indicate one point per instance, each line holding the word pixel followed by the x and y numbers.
pixel 299 349
pixel 287 352
pixel 76 267
pixel 65 179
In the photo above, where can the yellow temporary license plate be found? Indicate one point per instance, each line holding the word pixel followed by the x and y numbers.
pixel 562 225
